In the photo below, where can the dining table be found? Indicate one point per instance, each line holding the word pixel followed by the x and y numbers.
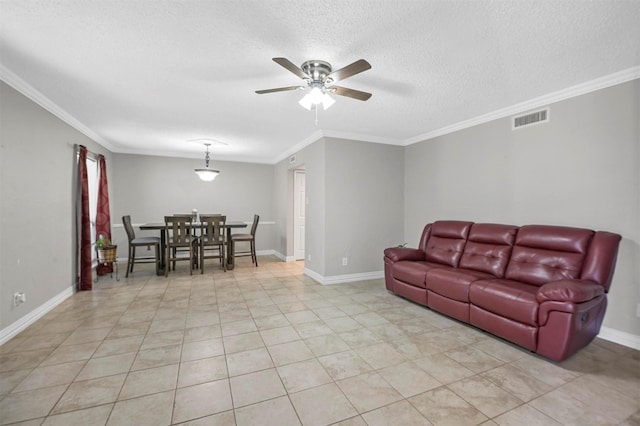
pixel 160 226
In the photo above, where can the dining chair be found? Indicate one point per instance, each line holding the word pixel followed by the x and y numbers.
pixel 190 230
pixel 139 242
pixel 244 238
pixel 212 239
pixel 179 236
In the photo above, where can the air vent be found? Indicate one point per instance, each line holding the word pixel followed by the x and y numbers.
pixel 529 119
pixel 292 159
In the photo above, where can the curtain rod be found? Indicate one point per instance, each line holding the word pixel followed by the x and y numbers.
pixel 76 146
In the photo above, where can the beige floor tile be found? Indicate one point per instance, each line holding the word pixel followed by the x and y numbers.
pixel 443 368
pixel 442 407
pixel 158 340
pixel 205 332
pixel 52 375
pixel 33 404
pixel 89 393
pixel 93 416
pixel 525 415
pixel 344 364
pixel 275 336
pixel 398 413
pixel 202 349
pixel 119 345
pixel 518 383
pixel 322 405
pixel 380 355
pixel 202 371
pixel 106 366
pixel 256 387
pixel 157 357
pixel 567 410
pixel 326 344
pixel 287 353
pixel 248 361
pixel 368 391
pixel 301 317
pixel 409 379
pixel 86 335
pixel 303 375
pixel 152 380
pixel 242 342
pixel 275 412
pixel 11 379
pixel 275 316
pixel 150 410
pixel 226 418
pixel 71 353
pixel 359 338
pixel 23 360
pixel 485 396
pixel 342 324
pixel 238 327
pixel 201 400
pixel 474 359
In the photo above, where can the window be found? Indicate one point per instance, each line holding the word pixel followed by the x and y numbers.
pixel 92 177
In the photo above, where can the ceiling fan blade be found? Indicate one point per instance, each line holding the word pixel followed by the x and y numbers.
pixel 355 68
pixel 279 89
pixel 284 62
pixel 351 93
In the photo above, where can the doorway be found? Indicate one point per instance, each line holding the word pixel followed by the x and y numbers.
pixel 299 204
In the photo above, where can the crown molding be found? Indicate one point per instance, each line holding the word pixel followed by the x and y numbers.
pixel 36 96
pixel 570 92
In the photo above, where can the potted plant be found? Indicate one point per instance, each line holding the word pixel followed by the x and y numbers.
pixel 106 251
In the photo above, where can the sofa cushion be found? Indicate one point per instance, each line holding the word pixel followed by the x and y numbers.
pixel 446 242
pixel 453 283
pixel 510 299
pixel 488 248
pixel 548 253
pixel 410 272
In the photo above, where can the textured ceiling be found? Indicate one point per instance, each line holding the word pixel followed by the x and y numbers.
pixel 148 76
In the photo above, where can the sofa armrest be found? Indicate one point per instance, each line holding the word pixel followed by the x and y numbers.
pixel 396 254
pixel 574 291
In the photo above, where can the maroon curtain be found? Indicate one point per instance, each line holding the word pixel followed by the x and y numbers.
pixel 103 218
pixel 86 279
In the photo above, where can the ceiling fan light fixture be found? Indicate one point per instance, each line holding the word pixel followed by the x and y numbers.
pixel 305 102
pixel 316 95
pixel 327 101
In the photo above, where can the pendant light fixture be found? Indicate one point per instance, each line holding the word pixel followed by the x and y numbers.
pixel 207 174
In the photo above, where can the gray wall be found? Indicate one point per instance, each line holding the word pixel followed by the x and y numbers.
pixel 363 204
pixel 37 211
pixel 148 187
pixel 580 169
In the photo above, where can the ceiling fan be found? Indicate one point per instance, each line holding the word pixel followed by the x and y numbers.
pixel 320 78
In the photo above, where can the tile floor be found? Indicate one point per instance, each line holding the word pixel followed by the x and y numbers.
pixel 269 346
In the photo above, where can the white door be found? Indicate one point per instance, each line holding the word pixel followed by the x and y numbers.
pixel 299 204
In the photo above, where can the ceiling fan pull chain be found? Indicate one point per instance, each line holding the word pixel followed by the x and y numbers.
pixel 316 115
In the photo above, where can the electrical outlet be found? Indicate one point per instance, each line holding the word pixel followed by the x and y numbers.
pixel 309 257
pixel 638 310
pixel 345 261
pixel 19 298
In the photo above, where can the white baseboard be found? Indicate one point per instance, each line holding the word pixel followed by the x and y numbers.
pixel 339 279
pixel 7 333
pixel 621 337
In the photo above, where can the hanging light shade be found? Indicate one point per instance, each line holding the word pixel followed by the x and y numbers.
pixel 207 174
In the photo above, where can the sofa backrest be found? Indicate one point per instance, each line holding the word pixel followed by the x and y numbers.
pixel 445 240
pixel 488 248
pixel 601 259
pixel 544 253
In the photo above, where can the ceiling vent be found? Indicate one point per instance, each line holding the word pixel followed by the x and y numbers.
pixel 529 119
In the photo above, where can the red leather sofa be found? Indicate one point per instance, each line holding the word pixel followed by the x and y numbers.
pixel 541 287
